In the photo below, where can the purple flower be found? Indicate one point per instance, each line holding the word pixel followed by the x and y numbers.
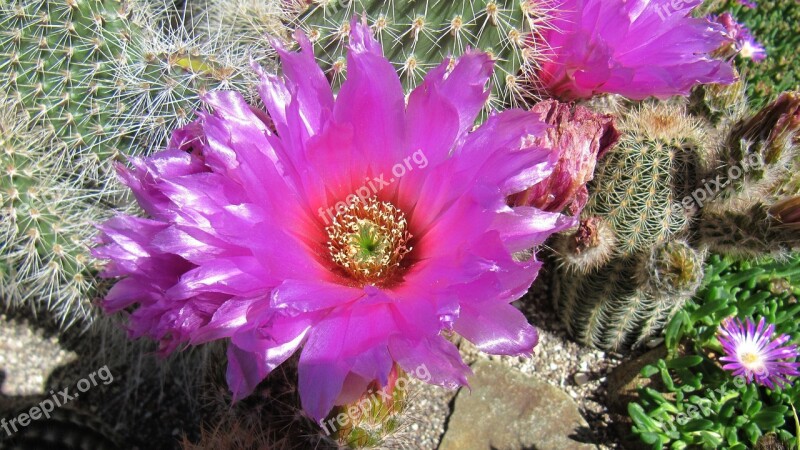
pixel 636 48
pixel 580 137
pixel 743 43
pixel 361 228
pixel 751 352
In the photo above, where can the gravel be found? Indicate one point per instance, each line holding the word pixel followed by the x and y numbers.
pixel 29 354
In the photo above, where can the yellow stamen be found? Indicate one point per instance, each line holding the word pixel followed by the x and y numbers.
pixel 368 239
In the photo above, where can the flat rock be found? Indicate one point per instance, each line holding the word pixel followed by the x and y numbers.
pixel 507 410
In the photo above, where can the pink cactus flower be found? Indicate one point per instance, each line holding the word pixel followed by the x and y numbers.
pixel 358 230
pixel 636 48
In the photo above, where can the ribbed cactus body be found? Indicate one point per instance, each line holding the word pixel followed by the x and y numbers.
pixel 629 298
pixel 651 169
pixel 419 35
pixel 44 255
pixel 165 73
pixel 86 81
pixel 107 77
pixel 675 187
pixel 57 59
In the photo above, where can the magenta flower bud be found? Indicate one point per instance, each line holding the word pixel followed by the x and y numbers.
pixel 579 137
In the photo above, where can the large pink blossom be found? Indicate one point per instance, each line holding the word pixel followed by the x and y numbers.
pixel 636 48
pixel 361 229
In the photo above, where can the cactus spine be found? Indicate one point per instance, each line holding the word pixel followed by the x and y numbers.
pixel 85 82
pixel 676 186
pixel 44 255
pixel 417 36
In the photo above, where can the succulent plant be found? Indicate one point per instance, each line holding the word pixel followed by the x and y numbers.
pixel 57 60
pixel 417 36
pixel 86 82
pixel 675 187
pixel 99 73
pixel 245 26
pixel 44 257
pixel 167 68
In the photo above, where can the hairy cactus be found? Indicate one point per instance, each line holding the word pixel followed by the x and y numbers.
pixel 242 26
pixel 676 187
pixel 45 232
pixel 99 73
pixel 57 58
pixel 417 36
pixel 660 149
pixel 373 419
pixel 85 82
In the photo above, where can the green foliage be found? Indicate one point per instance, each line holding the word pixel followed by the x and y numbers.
pixel 418 36
pixel 693 403
pixel 773 23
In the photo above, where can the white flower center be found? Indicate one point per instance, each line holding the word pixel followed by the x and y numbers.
pixel 751 357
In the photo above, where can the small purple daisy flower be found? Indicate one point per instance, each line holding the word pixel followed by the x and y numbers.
pixel 743 44
pixel 752 352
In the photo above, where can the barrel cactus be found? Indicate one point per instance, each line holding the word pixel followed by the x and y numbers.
pixel 85 82
pixel 674 188
pixel 417 36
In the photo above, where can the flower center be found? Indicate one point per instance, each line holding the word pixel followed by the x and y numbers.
pixel 751 360
pixel 368 239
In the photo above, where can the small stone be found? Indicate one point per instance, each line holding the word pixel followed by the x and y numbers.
pixel 581 378
pixel 507 410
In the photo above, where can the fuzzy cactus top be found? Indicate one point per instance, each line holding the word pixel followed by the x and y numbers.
pixel 359 228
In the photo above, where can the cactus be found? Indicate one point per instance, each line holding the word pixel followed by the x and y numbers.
pixel 242 26
pixel 374 419
pixel 676 187
pixel 44 254
pixel 86 81
pixel 660 149
pixel 166 70
pixel 57 59
pixel 99 73
pixel 417 36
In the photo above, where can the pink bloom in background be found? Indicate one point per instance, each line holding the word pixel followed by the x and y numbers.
pixel 636 48
pixel 358 229
pixel 743 43
pixel 753 352
pixel 580 137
